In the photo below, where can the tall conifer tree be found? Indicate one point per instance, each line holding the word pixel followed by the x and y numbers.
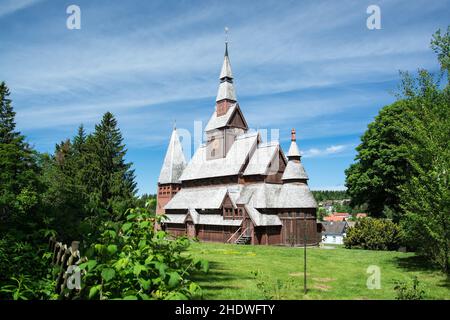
pixel 18 169
pixel 111 178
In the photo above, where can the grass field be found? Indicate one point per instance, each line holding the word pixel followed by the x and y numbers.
pixel 331 273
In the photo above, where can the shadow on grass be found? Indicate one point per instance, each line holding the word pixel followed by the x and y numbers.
pixel 216 279
pixel 415 263
pixel 420 263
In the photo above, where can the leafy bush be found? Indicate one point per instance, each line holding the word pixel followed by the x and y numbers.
pixel 25 271
pixel 133 261
pixel 273 290
pixel 407 292
pixel 373 234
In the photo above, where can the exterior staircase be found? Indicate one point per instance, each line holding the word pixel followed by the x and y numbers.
pixel 243 237
pixel 243 240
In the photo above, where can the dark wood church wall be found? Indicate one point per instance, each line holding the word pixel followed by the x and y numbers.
pixel 175 229
pixel 268 235
pixel 212 233
pixel 294 229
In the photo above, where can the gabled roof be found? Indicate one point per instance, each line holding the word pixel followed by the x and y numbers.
pixel 217 122
pixel 261 159
pixel 294 171
pixel 194 215
pixel 334 227
pixel 261 219
pixel 200 168
pixel 265 195
pixel 206 219
pixel 174 218
pixel 218 220
pixel 198 198
pixel 174 161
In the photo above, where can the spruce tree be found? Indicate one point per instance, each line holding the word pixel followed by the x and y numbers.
pixel 111 179
pixel 7 114
pixel 79 141
pixel 18 169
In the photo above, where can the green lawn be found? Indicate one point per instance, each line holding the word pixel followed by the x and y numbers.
pixel 331 273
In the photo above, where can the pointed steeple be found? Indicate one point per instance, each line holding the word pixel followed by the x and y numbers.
pixel 293 149
pixel 174 161
pixel 226 87
pixel 226 66
pixel 294 172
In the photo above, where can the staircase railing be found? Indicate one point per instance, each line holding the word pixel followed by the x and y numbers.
pixel 241 235
pixel 234 234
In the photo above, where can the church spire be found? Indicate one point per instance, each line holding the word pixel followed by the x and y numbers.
pixel 294 172
pixel 293 153
pixel 226 87
pixel 174 161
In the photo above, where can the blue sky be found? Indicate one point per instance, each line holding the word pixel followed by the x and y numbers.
pixel 312 65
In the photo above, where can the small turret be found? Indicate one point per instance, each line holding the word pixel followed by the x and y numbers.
pixel 294 171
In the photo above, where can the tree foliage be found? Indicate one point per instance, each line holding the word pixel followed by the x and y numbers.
pixel 18 172
pixel 111 180
pixel 425 197
pixel 380 167
pixel 373 234
pixel 131 260
pixel 440 43
pixel 403 162
pixel 321 195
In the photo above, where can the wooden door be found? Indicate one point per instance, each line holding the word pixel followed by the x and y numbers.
pixel 190 228
pixel 247 226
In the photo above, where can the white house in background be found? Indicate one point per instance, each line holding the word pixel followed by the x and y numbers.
pixel 333 232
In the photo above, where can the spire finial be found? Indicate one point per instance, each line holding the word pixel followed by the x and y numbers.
pixel 226 41
pixel 293 138
pixel 175 124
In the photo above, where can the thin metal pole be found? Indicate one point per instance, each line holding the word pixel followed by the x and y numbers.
pixel 304 255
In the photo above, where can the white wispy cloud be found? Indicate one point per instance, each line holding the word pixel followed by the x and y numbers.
pixel 11 6
pixel 328 151
pixel 75 76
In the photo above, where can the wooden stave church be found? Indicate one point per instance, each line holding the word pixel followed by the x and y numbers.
pixel 236 189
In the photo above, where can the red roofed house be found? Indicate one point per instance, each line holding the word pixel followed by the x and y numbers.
pixel 338 216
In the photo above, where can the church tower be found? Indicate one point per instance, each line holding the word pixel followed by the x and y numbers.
pixel 172 168
pixel 226 96
pixel 227 122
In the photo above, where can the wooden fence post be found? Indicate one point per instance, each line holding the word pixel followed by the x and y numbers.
pixel 64 257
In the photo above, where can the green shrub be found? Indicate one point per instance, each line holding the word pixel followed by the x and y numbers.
pixel 25 271
pixel 409 292
pixel 373 234
pixel 133 261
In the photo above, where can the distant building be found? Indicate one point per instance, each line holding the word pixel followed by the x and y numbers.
pixel 337 216
pixel 333 232
pixel 361 215
pixel 237 188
